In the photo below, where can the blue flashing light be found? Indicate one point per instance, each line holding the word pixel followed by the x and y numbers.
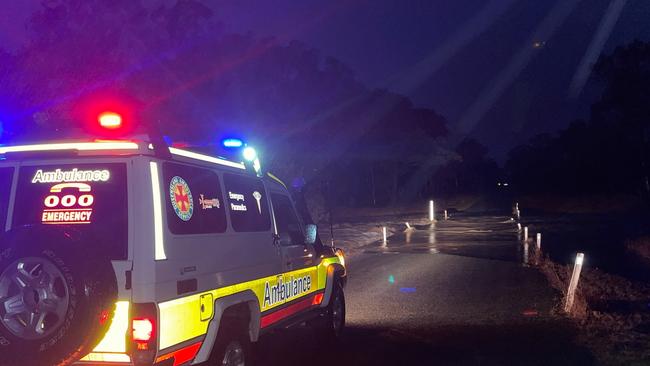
pixel 250 154
pixel 232 143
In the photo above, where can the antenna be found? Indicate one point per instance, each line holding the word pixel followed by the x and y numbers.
pixel 329 208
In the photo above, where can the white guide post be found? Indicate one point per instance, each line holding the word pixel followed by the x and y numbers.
pixel 525 233
pixel 573 285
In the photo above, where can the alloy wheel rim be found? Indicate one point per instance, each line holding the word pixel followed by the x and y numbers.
pixel 34 298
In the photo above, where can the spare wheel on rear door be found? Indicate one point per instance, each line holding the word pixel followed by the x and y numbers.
pixel 56 297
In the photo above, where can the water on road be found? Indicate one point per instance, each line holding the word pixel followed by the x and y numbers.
pixel 455 293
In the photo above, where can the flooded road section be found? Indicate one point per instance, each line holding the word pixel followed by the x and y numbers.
pixel 490 237
pixel 455 293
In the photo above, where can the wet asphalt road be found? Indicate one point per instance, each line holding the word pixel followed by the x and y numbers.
pixel 454 294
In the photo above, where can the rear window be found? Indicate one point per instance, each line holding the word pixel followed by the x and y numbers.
pixel 92 197
pixel 247 202
pixel 193 199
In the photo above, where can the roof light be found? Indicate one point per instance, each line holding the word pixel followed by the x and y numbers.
pixel 110 120
pixel 209 159
pixel 250 154
pixel 232 143
pixel 79 146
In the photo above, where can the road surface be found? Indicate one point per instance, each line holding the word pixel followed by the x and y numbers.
pixel 457 293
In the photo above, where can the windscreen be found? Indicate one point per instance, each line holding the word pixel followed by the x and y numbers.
pixel 90 197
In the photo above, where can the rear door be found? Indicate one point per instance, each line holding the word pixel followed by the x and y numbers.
pixel 296 254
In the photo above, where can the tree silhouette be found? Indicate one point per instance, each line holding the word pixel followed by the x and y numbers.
pixel 307 114
pixel 609 152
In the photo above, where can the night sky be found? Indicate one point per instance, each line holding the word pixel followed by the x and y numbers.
pixel 498 70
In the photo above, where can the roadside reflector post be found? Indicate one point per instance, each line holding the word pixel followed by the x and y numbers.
pixel 383 231
pixel 539 241
pixel 525 233
pixel 518 213
pixel 432 216
pixel 518 227
pixel 446 216
pixel 573 285
pixel 526 253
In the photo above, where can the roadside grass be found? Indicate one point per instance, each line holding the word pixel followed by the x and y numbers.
pixel 612 313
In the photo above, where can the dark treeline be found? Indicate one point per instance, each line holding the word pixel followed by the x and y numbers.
pixel 606 154
pixel 313 123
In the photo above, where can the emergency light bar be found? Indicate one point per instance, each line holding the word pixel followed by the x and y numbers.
pixel 232 143
pixel 110 120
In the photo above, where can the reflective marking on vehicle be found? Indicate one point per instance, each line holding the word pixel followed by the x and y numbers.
pixel 80 146
pixel 183 355
pixel 187 310
pixel 107 357
pixel 159 244
pixel 290 310
pixel 207 158
pixel 112 347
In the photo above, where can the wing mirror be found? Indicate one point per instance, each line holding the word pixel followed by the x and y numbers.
pixel 311 230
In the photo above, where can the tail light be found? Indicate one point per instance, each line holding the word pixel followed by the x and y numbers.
pixel 143 335
pixel 142 331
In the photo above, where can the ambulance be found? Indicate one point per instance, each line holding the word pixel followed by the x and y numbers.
pixel 134 252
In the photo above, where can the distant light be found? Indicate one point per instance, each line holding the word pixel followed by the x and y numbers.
pixel 110 120
pixel 250 154
pixel 232 143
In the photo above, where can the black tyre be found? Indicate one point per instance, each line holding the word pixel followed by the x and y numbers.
pixel 56 302
pixel 232 347
pixel 329 326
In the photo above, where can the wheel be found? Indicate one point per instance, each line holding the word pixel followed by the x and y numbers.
pixel 54 303
pixel 329 326
pixel 232 348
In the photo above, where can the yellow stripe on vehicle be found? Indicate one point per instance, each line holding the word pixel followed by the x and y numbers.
pixel 271 292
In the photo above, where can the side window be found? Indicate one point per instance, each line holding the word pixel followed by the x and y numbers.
pixel 193 199
pixel 6 175
pixel 286 221
pixel 247 202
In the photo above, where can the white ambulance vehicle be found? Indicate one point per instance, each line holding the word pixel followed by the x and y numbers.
pixel 128 252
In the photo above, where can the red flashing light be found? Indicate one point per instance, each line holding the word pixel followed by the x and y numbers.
pixel 142 330
pixel 110 120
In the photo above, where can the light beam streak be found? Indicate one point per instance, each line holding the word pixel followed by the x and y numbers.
pixel 491 93
pixel 474 27
pixel 605 28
